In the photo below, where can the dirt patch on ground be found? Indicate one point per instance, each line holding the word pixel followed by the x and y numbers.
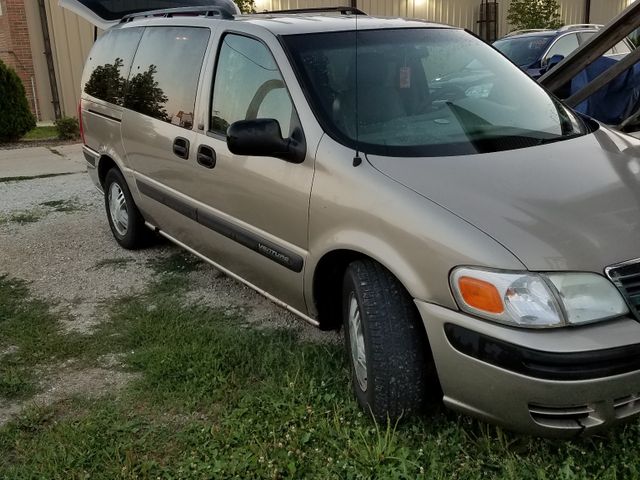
pixel 60 382
pixel 211 287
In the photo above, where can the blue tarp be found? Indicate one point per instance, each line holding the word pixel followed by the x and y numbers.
pixel 616 101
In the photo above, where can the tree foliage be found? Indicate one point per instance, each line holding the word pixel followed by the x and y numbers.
pixel 145 96
pixel 246 6
pixel 106 83
pixel 526 14
pixel 16 118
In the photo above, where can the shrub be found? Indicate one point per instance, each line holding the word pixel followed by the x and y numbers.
pixel 16 118
pixel 67 128
pixel 524 14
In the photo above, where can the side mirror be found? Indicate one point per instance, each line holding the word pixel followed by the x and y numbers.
pixel 552 62
pixel 263 138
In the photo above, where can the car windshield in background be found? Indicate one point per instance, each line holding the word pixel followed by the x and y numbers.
pixel 424 92
pixel 524 51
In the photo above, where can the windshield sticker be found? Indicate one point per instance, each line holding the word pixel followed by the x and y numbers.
pixel 539 43
pixel 405 77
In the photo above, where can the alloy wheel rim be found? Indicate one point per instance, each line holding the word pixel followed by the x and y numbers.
pixel 356 341
pixel 118 209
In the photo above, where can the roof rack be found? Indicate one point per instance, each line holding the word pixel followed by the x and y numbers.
pixel 578 26
pixel 219 11
pixel 528 30
pixel 341 10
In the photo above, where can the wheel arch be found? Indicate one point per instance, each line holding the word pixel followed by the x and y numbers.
pixel 327 285
pixel 105 163
pixel 328 277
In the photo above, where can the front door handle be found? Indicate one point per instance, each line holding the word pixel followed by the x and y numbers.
pixel 181 147
pixel 206 156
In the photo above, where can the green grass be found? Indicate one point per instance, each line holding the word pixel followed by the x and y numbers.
pixel 67 205
pixel 28 216
pixel 36 214
pixel 41 133
pixel 32 332
pixel 216 399
pixel 177 263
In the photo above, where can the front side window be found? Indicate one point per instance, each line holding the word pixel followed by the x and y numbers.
pixel 109 63
pixel 248 85
pixel 564 46
pixel 165 72
pixel 424 92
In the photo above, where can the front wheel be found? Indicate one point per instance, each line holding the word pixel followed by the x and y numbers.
pixel 389 356
pixel 125 220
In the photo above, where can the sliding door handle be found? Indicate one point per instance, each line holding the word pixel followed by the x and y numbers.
pixel 206 157
pixel 181 147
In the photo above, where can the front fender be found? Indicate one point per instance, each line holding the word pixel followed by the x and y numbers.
pixel 420 242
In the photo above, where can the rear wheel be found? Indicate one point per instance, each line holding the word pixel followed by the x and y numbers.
pixel 388 352
pixel 125 220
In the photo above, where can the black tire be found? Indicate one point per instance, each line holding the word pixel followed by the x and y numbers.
pixel 136 235
pixel 400 374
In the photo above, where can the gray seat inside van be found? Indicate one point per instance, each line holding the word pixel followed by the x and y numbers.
pixel 378 98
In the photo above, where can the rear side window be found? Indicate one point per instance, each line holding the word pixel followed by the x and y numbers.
pixel 109 63
pixel 618 49
pixel 248 85
pixel 622 48
pixel 165 72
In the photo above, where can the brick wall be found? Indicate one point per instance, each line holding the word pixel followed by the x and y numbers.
pixel 4 30
pixel 15 44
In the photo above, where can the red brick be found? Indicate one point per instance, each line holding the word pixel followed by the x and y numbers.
pixel 15 45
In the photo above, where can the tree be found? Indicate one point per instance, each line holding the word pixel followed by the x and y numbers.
pixel 246 6
pixel 106 83
pixel 16 118
pixel 145 96
pixel 526 14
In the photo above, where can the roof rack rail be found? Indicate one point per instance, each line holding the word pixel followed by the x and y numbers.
pixel 577 26
pixel 210 11
pixel 342 10
pixel 527 30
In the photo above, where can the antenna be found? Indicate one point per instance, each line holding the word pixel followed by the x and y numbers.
pixel 357 160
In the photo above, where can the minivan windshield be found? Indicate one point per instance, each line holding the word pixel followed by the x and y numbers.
pixel 424 92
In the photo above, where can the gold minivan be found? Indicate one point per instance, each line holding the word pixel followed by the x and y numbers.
pixel 477 239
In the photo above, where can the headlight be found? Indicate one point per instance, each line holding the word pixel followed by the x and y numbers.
pixel 536 300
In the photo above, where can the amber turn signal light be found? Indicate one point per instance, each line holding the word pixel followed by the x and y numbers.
pixel 480 295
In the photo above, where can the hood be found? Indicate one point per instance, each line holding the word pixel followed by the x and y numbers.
pixel 106 13
pixel 570 205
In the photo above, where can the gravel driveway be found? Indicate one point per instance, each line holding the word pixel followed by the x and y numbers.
pixel 54 234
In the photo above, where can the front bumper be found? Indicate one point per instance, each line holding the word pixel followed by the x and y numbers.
pixel 542 382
